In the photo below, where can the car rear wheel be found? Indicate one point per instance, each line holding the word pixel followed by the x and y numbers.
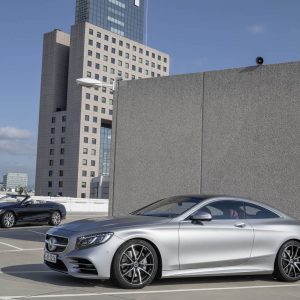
pixel 287 264
pixel 135 264
pixel 55 218
pixel 8 220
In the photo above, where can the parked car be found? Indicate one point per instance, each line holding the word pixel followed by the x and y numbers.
pixel 23 209
pixel 190 235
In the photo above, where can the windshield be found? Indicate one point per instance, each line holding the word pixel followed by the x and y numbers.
pixel 169 207
pixel 12 199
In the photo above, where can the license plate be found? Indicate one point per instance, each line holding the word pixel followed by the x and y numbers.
pixel 50 257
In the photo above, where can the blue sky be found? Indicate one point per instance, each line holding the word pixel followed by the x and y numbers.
pixel 199 36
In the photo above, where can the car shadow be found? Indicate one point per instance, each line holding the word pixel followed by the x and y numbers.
pixel 40 273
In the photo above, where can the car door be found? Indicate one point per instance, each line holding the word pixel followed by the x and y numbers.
pixel 29 211
pixel 225 241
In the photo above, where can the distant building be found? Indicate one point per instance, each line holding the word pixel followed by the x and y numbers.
pixel 125 17
pixel 100 187
pixel 13 180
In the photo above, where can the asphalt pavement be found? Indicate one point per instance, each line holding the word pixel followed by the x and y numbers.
pixel 24 276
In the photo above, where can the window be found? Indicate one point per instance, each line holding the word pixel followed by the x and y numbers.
pixel 127 45
pixel 88 96
pixel 113 50
pixel 61 173
pixel 98 34
pixel 140 70
pixel 85 150
pixel 133 67
pixel 62 150
pixel 225 210
pixel 85 140
pixel 95 108
pixel 95 120
pixel 63 129
pixel 113 60
pixel 50 162
pixel 133 57
pixel 134 48
pixel 94 130
pixel 104 78
pixel 113 40
pixel 64 118
pixel 92 174
pixel 52 141
pixel 120 53
pixel 49 184
pixel 83 195
pixel 93 163
pixel 87 107
pixel 110 112
pixel 147 53
pixel 103 100
pixel 153 55
pixel 147 62
pixel 52 130
pixel 127 55
pixel 111 101
pixel 165 69
pixel 112 71
pixel 93 151
pixel 159 57
pixel 120 63
pixel 141 51
pixel 159 67
pixel 103 110
pixel 60 184
pixel 90 53
pixel 153 65
pixel 61 162
pixel 120 43
pixel 51 151
pixel 94 141
pixel 97 66
pixel 104 68
pixel 50 173
pixel 98 55
pixel 119 73
pixel 165 59
pixel 105 47
pixel 127 65
pixel 97 76
pixel 84 173
pixel 83 184
pixel 89 63
pixel 91 32
pixel 126 75
pixel 86 128
pixel 91 42
pixel 140 60
pixel 86 118
pixel 84 162
pixel 63 140
pixel 89 74
pixel 106 37
pixel 105 58
pixel 257 212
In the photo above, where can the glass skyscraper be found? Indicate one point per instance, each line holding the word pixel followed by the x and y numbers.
pixel 124 17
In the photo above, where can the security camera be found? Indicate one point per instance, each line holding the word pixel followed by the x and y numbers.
pixel 259 60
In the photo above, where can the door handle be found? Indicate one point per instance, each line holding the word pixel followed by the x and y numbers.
pixel 240 225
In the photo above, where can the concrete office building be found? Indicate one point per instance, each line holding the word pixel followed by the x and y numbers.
pixel 75 122
pixel 14 180
pixel 124 17
pixel 233 132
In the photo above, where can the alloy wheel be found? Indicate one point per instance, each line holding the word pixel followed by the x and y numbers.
pixel 8 220
pixel 290 261
pixel 55 218
pixel 136 264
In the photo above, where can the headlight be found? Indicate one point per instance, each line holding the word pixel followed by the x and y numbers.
pixel 93 240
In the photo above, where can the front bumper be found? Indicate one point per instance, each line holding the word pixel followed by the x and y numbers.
pixel 93 263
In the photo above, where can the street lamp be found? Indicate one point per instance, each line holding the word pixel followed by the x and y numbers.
pixel 90 82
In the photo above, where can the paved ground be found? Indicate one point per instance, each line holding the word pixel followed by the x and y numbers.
pixel 23 275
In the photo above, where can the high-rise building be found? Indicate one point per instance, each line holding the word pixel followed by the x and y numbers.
pixel 75 122
pixel 14 180
pixel 124 17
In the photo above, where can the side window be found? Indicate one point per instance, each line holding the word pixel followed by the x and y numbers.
pixel 225 210
pixel 257 212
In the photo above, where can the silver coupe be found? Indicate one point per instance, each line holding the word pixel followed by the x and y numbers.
pixel 191 235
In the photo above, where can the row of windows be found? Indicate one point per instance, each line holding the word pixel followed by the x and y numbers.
pixel 86 140
pixel 63 130
pixel 60 184
pixel 85 162
pixel 86 151
pixel 84 173
pixel 61 162
pixel 62 140
pixel 127 56
pixel 103 110
pixel 52 151
pixel 60 173
pixel 96 98
pixel 134 47
pixel 104 78
pixel 63 119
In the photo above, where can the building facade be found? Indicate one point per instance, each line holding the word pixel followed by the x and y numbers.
pixel 124 17
pixel 14 180
pixel 75 122
pixel 232 132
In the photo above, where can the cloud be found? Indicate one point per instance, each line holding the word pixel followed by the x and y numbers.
pixel 12 133
pixel 12 147
pixel 256 28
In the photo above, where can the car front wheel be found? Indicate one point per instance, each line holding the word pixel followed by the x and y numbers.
pixel 287 264
pixel 8 220
pixel 55 218
pixel 135 264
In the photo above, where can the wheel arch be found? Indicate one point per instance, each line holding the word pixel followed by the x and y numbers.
pixel 286 241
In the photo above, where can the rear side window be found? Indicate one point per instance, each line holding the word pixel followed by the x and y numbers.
pixel 253 211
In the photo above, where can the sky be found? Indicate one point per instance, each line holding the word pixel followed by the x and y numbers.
pixel 199 35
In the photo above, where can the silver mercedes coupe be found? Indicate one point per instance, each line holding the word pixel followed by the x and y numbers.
pixel 190 235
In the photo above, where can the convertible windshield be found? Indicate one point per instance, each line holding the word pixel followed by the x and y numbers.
pixel 169 207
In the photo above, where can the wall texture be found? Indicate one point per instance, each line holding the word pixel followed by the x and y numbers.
pixel 231 132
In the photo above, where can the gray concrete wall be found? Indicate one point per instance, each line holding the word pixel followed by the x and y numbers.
pixel 245 141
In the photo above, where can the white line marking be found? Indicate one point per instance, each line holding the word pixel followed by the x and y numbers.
pixel 11 246
pixel 37 232
pixel 21 250
pixel 151 292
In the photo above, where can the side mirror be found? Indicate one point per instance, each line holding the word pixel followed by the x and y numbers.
pixel 201 216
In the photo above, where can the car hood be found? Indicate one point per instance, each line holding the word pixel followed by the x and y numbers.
pixel 111 223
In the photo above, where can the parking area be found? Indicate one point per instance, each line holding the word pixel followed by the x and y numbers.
pixel 24 276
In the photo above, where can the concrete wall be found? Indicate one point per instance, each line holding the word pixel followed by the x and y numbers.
pixel 231 132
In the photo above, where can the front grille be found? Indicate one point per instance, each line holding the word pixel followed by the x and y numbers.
pixel 58 266
pixel 60 243
pixel 83 266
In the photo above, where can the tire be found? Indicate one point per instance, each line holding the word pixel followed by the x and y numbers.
pixel 287 263
pixel 135 264
pixel 8 220
pixel 55 218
